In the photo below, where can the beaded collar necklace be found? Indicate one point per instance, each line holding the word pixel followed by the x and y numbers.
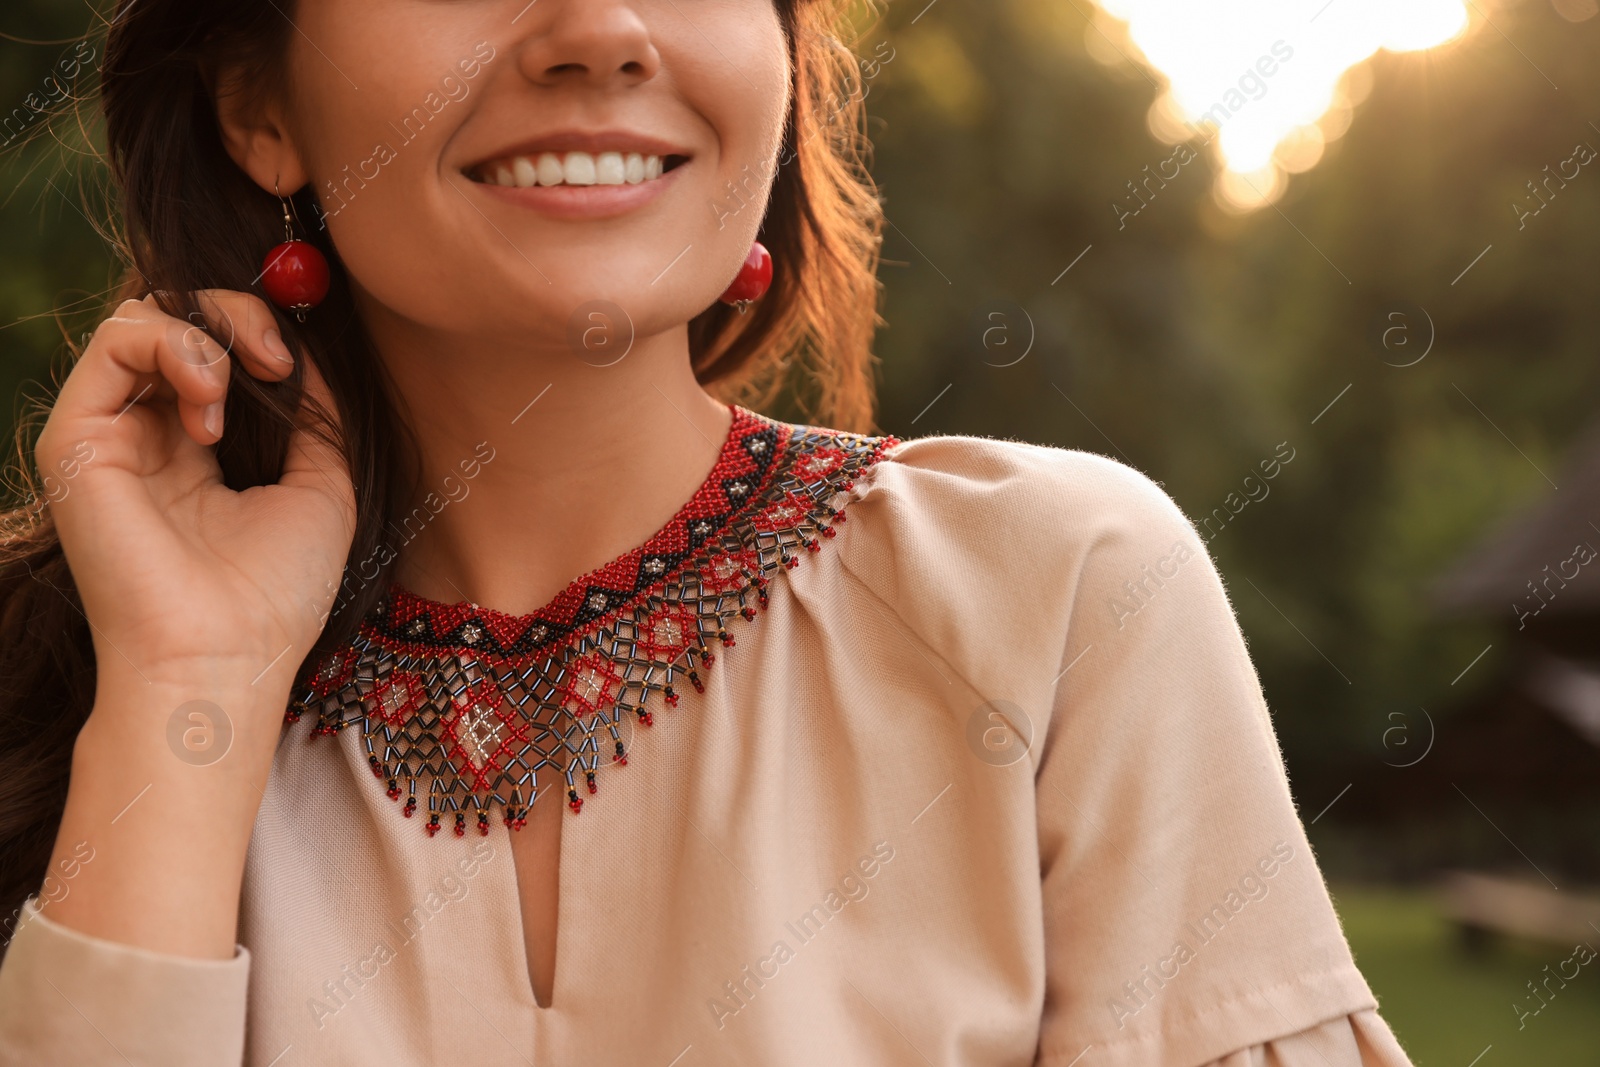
pixel 474 707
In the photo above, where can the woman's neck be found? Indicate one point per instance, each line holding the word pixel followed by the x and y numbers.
pixel 541 466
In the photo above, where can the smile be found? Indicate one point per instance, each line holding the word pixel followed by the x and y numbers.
pixel 574 169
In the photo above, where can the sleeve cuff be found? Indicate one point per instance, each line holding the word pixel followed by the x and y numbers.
pixel 70 997
pixel 1288 1018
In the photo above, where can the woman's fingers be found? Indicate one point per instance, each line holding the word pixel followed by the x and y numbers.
pixel 140 354
pixel 246 327
pixel 131 354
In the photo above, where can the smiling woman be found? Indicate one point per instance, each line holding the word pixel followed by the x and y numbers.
pixel 741 693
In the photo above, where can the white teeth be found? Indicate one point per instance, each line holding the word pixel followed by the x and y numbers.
pixel 579 168
pixel 550 169
pixel 574 168
pixel 609 169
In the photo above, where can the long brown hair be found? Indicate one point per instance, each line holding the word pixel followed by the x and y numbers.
pixel 187 218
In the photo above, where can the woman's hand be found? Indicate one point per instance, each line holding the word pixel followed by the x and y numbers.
pixel 203 602
pixel 173 566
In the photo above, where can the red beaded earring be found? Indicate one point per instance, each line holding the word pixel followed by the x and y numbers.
pixel 294 274
pixel 752 281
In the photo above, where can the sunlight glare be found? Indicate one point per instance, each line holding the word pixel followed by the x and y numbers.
pixel 1271 80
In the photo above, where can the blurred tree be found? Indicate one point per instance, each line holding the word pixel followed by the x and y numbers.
pixel 54 259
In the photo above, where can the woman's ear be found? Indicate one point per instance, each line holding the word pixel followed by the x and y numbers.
pixel 255 133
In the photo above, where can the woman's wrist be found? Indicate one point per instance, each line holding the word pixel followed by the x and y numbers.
pixel 166 783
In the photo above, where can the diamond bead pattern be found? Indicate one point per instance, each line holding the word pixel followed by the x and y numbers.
pixel 476 708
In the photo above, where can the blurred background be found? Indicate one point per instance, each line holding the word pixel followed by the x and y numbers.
pixel 1353 243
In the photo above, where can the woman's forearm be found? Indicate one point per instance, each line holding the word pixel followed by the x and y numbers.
pixel 166 782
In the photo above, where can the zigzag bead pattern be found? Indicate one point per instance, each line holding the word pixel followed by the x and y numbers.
pixel 476 708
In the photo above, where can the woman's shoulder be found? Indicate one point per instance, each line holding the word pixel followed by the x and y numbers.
pixel 1031 508
pixel 981 543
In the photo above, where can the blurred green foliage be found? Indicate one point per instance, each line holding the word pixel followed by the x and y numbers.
pixel 1189 343
pixel 55 271
pixel 1447 1004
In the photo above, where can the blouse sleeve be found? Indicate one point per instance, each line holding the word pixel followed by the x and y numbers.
pixel 67 997
pixel 1186 922
pixel 1359 1038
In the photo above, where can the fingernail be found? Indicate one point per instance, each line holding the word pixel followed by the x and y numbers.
pixel 212 416
pixel 272 341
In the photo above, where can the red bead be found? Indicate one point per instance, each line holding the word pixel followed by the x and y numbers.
pixel 295 276
pixel 754 277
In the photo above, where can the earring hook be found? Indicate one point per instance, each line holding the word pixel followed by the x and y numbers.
pixel 291 214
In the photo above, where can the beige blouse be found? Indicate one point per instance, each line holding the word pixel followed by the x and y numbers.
pixel 991 782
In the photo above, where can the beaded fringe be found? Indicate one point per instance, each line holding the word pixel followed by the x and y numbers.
pixel 477 708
